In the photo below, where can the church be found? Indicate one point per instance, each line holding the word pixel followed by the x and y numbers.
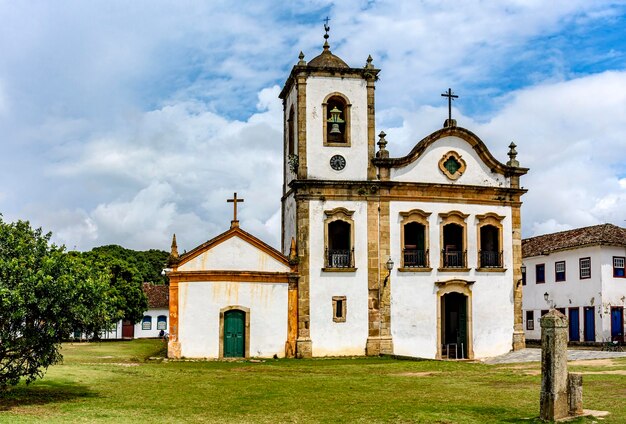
pixel 416 256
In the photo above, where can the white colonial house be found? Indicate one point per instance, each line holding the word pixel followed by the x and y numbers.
pixel 581 273
pixel 418 255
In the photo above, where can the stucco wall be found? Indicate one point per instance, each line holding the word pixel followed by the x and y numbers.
pixel 153 332
pixel 601 290
pixel 414 294
pixel 338 338
pixel 234 254
pixel 199 316
pixel 426 167
pixel 318 156
pixel 289 223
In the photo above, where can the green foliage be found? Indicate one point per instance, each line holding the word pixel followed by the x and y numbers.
pixel 148 264
pixel 44 295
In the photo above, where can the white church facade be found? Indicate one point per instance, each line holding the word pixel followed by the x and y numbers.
pixel 416 256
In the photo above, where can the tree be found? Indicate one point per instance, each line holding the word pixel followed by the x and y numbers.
pixel 45 294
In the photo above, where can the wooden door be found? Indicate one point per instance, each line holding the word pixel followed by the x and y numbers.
pixel 128 329
pixel 590 324
pixel 617 323
pixel 234 334
pixel 574 325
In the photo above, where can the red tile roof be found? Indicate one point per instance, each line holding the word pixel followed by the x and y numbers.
pixel 604 234
pixel 158 295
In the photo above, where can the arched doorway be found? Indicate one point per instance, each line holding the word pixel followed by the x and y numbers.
pixel 234 335
pixel 454 325
pixel 454 320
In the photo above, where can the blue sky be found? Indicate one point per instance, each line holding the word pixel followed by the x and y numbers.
pixel 123 122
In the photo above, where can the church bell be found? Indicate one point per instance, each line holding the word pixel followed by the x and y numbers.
pixel 335 120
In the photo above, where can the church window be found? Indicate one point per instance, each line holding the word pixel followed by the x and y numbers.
pixel 339 240
pixel 414 234
pixel 540 273
pixel 339 308
pixel 146 323
pixel 452 165
pixel 490 253
pixel 530 320
pixel 584 268
pixel 336 120
pixel 453 240
pixel 618 266
pixel 559 271
pixel 161 322
pixel 291 149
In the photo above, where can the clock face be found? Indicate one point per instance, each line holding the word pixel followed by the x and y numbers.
pixel 337 162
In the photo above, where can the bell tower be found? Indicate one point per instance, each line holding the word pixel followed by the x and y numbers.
pixel 329 144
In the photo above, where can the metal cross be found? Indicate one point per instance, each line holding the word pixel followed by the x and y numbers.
pixel 326 27
pixel 234 201
pixel 450 97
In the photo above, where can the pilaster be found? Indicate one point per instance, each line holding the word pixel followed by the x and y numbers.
pixel 371 128
pixel 519 339
pixel 173 345
pixel 302 118
pixel 303 342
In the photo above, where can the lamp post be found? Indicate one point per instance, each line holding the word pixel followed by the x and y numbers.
pixel 389 266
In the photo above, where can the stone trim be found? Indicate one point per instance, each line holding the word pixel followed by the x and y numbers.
pixel 173 344
pixel 494 220
pixel 502 270
pixel 344 309
pixel 411 269
pixel 304 345
pixel 246 343
pixel 346 118
pixel 350 269
pixel 420 217
pixel 301 127
pixel 371 128
pixel 457 157
pixel 292 317
pixel 463 287
pixel 235 276
pixel 458 218
pixel 519 338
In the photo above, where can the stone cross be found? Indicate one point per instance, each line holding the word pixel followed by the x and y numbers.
pixel 561 393
pixel 450 97
pixel 234 201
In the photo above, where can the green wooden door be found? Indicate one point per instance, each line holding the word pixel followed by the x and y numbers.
pixel 234 334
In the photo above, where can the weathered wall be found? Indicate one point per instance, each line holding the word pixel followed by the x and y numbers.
pixel 199 316
pixel 318 155
pixel 338 338
pixel 234 254
pixel 426 168
pixel 414 294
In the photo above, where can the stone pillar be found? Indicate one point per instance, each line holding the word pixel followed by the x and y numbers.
pixel 575 393
pixel 554 402
pixel 519 339
pixel 173 344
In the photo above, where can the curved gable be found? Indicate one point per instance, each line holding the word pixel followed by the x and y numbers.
pixel 424 163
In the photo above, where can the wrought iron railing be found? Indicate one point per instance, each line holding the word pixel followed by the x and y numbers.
pixel 490 259
pixel 414 258
pixel 454 258
pixel 337 258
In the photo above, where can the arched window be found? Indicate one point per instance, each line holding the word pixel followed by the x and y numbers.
pixel 490 241
pixel 146 323
pixel 336 120
pixel 339 239
pixel 453 240
pixel 161 322
pixel 414 237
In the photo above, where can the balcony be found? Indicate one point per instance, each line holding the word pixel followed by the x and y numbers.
pixel 454 258
pixel 414 258
pixel 339 258
pixel 490 259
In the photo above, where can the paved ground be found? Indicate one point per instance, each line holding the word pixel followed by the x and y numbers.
pixel 534 354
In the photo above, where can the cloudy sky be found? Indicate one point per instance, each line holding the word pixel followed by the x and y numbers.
pixel 124 122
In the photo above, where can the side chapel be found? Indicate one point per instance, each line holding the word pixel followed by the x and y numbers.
pixel 417 256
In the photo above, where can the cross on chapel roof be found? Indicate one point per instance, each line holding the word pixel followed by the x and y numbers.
pixel 451 96
pixel 234 201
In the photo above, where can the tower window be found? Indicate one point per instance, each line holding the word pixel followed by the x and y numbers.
pixel 339 240
pixel 336 121
pixel 291 149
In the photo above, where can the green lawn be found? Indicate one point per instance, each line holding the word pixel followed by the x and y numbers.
pixel 117 382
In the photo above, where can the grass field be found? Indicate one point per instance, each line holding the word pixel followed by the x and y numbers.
pixel 117 382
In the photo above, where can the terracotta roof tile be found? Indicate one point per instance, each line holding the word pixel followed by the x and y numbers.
pixel 158 295
pixel 604 234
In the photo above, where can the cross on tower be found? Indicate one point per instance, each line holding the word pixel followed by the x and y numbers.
pixel 450 97
pixel 234 201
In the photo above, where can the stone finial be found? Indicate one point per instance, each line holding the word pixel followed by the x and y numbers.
pixel 293 253
pixel 301 62
pixel 512 156
pixel 368 62
pixel 174 248
pixel 382 143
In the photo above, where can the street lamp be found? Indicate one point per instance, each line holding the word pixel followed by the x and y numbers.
pixel 389 266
